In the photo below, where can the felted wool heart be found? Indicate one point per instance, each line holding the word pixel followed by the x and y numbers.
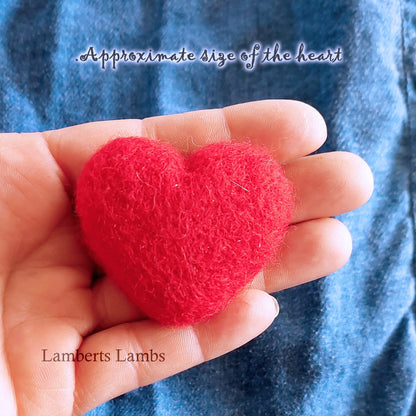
pixel 182 235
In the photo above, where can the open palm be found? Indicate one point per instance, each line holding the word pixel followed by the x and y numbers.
pixel 50 303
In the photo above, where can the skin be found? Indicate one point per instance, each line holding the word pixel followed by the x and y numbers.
pixel 48 301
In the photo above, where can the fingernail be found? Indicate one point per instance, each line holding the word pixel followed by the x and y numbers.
pixel 276 305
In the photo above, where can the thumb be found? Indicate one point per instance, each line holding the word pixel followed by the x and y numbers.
pixel 128 364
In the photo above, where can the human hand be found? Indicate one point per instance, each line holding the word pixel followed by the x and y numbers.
pixel 50 303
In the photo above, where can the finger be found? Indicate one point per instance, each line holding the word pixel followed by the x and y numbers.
pixel 288 128
pixel 328 184
pixel 112 306
pixel 311 250
pixel 73 146
pixel 177 349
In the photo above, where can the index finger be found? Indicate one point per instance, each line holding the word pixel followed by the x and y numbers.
pixel 289 129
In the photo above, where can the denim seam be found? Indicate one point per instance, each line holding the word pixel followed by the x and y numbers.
pixel 408 129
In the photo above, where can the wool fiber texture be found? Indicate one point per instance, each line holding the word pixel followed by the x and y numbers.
pixel 182 235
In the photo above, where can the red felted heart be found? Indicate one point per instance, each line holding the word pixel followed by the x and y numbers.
pixel 181 236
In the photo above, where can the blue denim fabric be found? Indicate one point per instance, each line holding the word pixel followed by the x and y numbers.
pixel 343 345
